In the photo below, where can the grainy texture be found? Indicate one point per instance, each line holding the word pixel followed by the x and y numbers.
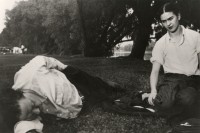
pixel 130 74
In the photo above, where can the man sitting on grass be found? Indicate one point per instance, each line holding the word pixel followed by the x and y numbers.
pixel 46 85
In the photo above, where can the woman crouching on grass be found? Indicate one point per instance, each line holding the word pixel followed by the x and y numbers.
pixel 178 51
pixel 46 85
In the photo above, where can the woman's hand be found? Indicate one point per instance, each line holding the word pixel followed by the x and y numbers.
pixel 152 96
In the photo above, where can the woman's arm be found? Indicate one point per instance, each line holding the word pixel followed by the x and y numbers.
pixel 153 81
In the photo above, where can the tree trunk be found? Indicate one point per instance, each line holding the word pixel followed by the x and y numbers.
pixel 84 39
pixel 141 38
pixel 145 15
pixel 77 34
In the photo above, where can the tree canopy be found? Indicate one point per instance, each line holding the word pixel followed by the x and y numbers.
pixel 91 27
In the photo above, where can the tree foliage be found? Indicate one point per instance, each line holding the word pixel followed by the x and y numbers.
pixel 43 26
pixel 93 27
pixel 106 23
pixel 147 14
pixel 24 26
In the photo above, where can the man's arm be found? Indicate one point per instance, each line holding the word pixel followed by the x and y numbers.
pixel 54 63
pixel 153 81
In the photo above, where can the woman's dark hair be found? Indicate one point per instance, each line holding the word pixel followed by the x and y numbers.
pixel 9 107
pixel 169 7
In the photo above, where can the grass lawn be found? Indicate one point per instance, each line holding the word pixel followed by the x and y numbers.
pixel 131 74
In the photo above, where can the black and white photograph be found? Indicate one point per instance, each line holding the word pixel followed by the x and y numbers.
pixel 99 66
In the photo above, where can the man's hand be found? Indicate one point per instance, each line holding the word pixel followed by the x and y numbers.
pixel 151 97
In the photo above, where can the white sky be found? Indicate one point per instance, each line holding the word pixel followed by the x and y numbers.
pixel 5 4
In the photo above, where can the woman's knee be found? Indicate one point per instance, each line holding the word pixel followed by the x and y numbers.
pixel 162 102
pixel 165 97
pixel 187 96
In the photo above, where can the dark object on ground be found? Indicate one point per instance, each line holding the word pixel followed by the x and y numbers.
pixel 3 126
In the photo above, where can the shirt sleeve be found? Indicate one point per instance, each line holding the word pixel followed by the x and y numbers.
pixel 54 63
pixel 26 126
pixel 198 43
pixel 158 53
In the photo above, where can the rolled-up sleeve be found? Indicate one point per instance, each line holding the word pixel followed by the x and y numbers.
pixel 158 53
pixel 54 63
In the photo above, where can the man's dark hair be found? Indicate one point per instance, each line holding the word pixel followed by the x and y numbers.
pixel 9 107
pixel 169 7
